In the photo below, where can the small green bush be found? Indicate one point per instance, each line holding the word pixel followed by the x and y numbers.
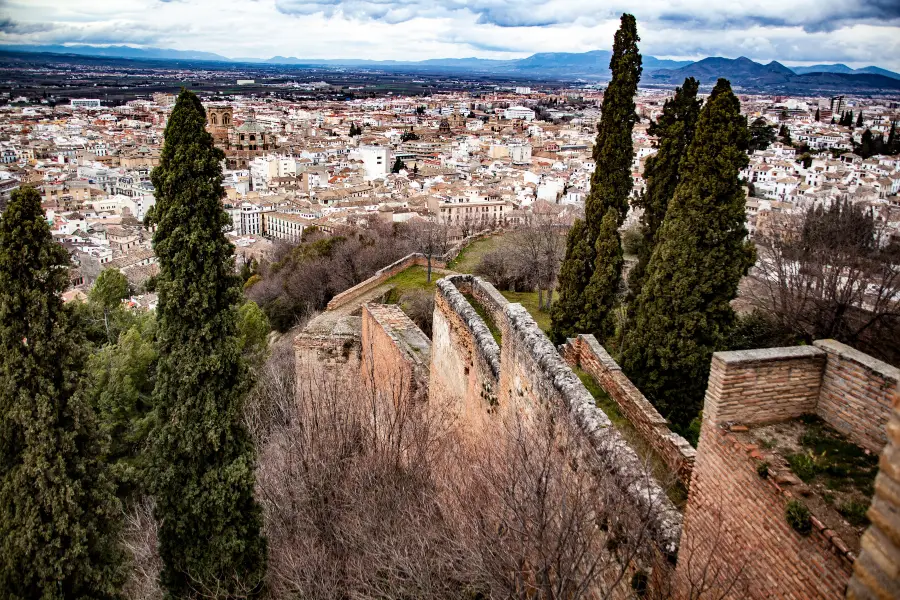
pixel 804 465
pixel 762 469
pixel 798 517
pixel 855 512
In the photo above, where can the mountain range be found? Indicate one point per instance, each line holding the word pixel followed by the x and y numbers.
pixel 774 76
pixel 594 65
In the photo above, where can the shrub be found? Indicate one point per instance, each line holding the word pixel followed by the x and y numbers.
pixel 798 517
pixel 419 306
pixel 762 469
pixel 633 240
pixel 855 512
pixel 805 466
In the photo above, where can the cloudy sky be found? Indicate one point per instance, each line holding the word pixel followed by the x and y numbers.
pixel 856 32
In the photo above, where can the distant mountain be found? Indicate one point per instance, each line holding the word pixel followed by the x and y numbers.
pixel 592 66
pixel 117 52
pixel 841 68
pixel 773 77
pixel 878 71
pixel 838 68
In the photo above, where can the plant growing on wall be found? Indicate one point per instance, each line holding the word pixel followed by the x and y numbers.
pixel 798 517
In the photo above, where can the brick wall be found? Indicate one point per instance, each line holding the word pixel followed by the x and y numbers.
pixel 856 394
pixel 328 343
pixel 736 539
pixel 395 355
pixel 587 353
pixel 763 386
pixel 876 573
pixel 381 276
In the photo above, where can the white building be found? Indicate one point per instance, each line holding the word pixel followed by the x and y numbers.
pixel 518 112
pixel 85 103
pixel 376 161
pixel 520 154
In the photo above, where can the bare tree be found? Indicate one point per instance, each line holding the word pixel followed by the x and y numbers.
pixel 830 273
pixel 430 238
pixel 139 539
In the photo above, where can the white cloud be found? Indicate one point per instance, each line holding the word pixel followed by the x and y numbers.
pixel 859 33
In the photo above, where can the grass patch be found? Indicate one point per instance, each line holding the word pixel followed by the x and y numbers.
pixel 469 257
pixel 529 300
pixel 604 402
pixel 833 461
pixel 486 317
pixel 855 512
pixel 413 278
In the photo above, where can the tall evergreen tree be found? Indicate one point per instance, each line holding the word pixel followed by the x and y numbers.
pixel 674 131
pixel 892 146
pixel 603 286
pixel 818 114
pixel 683 313
pixel 611 186
pixel 203 458
pixel 58 514
pixel 859 119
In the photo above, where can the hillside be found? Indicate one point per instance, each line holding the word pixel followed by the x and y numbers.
pixel 773 77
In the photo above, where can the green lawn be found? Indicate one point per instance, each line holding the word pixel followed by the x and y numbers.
pixel 529 300
pixel 413 278
pixel 471 255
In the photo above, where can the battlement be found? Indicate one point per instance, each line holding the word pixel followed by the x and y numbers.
pixel 487 357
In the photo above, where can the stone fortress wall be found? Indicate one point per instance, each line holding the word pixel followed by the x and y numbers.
pixel 586 353
pixel 734 517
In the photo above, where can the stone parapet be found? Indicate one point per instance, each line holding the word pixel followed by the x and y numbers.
pixel 587 353
pixel 533 371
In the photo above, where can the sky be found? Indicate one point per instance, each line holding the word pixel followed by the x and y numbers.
pixel 855 32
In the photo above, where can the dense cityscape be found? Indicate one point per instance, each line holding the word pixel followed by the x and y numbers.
pixel 472 162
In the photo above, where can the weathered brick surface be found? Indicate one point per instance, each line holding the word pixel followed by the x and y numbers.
pixel 587 353
pixel 735 530
pixel 395 355
pixel 876 573
pixel 465 359
pixel 763 386
pixel 856 395
pixel 533 373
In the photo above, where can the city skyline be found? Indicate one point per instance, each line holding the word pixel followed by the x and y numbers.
pixel 798 33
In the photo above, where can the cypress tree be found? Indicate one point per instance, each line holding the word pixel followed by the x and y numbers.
pixel 58 514
pixel 203 458
pixel 817 115
pixel 611 186
pixel 859 119
pixel 892 147
pixel 604 282
pixel 574 276
pixel 683 313
pixel 674 131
